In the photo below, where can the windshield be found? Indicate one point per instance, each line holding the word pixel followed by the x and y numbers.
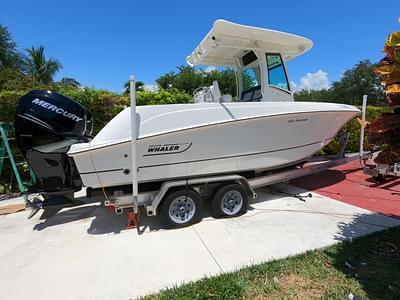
pixel 251 78
pixel 276 72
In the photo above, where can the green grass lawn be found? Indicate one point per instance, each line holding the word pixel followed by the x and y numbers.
pixel 367 267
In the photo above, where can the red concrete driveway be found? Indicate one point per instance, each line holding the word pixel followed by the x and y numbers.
pixel 348 184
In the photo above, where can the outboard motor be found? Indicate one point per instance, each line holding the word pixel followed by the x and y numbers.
pixel 46 125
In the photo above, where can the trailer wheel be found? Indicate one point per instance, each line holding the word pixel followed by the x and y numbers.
pixel 230 200
pixel 181 208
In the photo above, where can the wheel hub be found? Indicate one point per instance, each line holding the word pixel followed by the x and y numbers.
pixel 232 202
pixel 182 209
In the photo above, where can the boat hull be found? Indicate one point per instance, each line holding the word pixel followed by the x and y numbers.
pixel 237 145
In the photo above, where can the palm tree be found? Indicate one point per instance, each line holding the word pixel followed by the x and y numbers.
pixel 41 69
pixel 9 56
pixel 139 86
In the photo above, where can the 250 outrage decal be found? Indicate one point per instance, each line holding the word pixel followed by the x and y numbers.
pixel 167 149
pixel 298 120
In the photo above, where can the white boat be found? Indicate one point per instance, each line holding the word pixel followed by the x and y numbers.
pixel 264 129
pixel 187 140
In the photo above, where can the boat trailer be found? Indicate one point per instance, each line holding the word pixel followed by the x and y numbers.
pixel 151 200
pixel 241 187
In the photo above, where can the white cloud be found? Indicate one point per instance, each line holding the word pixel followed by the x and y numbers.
pixel 293 85
pixel 151 87
pixel 210 69
pixel 313 81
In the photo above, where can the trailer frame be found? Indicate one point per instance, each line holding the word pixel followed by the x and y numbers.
pixel 151 200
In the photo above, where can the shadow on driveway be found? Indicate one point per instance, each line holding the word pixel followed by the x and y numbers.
pixel 102 220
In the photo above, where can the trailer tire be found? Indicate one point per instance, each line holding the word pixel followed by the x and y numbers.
pixel 229 201
pixel 181 208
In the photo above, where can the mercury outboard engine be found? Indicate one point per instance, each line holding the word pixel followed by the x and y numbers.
pixel 46 125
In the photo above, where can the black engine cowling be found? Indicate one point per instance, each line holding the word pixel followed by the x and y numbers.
pixel 46 125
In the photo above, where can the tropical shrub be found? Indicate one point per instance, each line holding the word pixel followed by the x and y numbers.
pixel 354 128
pixel 171 96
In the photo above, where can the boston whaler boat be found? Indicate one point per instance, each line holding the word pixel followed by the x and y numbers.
pixel 263 130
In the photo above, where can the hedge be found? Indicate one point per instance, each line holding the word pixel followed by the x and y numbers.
pixel 103 104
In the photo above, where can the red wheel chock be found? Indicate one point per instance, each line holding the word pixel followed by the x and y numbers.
pixel 132 220
pixel 110 208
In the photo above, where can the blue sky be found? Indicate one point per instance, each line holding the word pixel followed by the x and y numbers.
pixel 100 43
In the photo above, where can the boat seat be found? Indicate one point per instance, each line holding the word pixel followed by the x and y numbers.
pixel 216 91
pixel 252 95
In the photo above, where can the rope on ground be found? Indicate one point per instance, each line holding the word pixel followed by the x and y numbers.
pixel 337 215
pixel 97 174
pixel 357 196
